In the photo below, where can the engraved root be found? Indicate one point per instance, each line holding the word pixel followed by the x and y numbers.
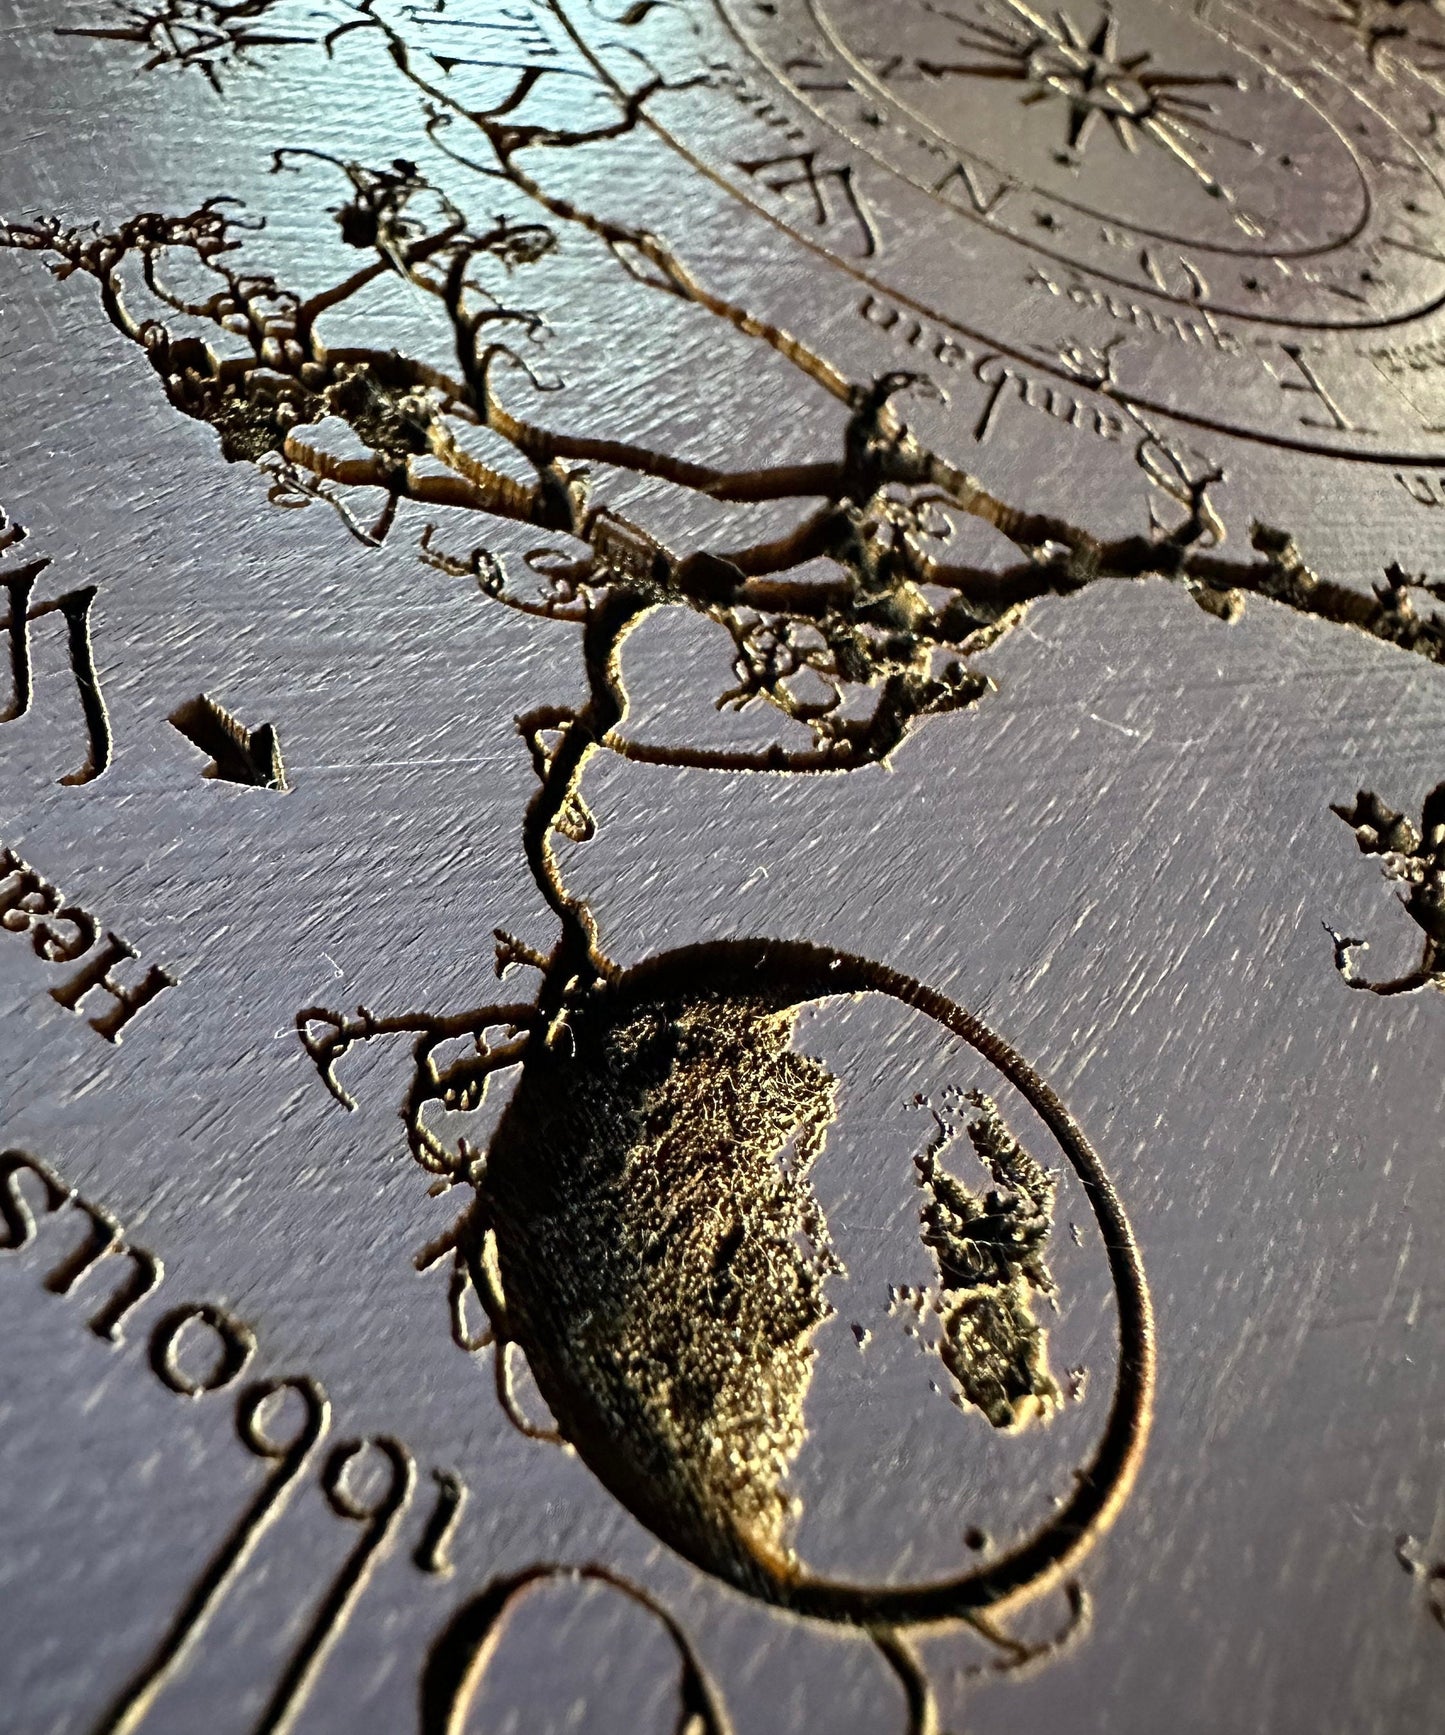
pixel 1413 858
pixel 458 1085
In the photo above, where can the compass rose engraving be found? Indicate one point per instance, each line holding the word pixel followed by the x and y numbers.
pixel 1059 61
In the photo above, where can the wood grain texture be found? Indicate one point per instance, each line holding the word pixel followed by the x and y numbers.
pixel 1116 849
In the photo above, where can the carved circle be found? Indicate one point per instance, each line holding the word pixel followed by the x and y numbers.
pixel 570 1296
pixel 471 1641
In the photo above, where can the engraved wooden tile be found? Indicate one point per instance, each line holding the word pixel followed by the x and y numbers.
pixel 688 1037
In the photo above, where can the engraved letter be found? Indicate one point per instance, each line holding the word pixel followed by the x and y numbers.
pixel 103 1236
pixel 985 200
pixel 379 1517
pixel 798 172
pixel 25 895
pixel 995 373
pixel 59 948
pixel 20 585
pixel 290 1458
pixel 26 900
pixel 1419 488
pixel 96 976
pixel 1306 380
pixel 15 1210
pixel 103 1241
pixel 146 1272
pixel 236 1345
pixel 430 1554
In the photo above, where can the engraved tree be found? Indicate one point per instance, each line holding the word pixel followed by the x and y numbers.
pixel 854 623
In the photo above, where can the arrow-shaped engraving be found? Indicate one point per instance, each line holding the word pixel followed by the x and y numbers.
pixel 238 754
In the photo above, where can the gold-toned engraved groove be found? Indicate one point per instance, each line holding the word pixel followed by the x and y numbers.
pixel 133 1704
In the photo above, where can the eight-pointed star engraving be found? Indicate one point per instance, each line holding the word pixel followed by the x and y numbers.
pixel 1060 61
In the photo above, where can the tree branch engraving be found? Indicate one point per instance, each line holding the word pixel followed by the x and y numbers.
pixel 854 621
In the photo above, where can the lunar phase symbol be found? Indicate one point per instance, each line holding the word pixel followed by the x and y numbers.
pixel 1060 62
pixel 635 1234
